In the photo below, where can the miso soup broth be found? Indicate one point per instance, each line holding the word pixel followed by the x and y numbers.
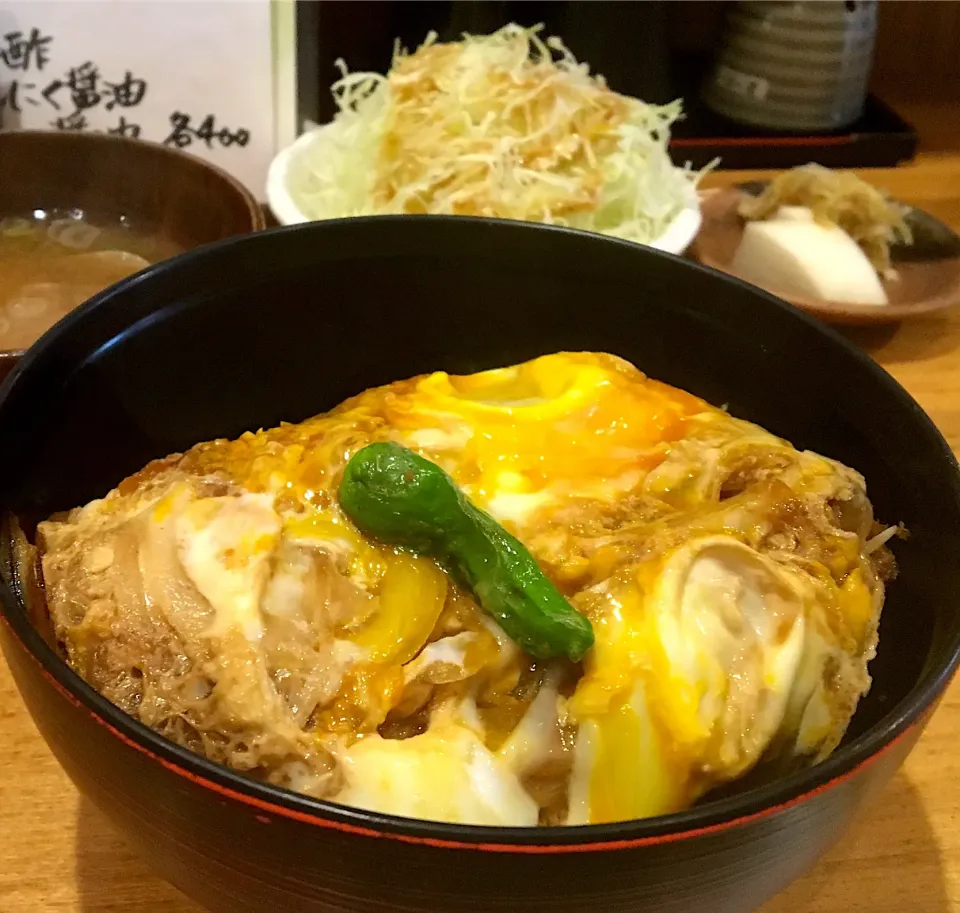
pixel 52 261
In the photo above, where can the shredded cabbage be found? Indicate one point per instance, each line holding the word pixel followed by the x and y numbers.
pixel 503 125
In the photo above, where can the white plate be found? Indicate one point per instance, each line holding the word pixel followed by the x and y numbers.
pixel 676 239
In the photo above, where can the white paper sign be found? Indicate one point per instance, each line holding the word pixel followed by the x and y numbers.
pixel 197 75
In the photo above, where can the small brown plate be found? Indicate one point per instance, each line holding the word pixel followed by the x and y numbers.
pixel 926 283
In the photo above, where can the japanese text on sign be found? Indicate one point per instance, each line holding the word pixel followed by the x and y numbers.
pixel 70 96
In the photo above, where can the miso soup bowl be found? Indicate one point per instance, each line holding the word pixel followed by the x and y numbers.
pixel 286 323
pixel 161 191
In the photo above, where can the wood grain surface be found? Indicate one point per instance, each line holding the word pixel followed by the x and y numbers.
pixel 58 854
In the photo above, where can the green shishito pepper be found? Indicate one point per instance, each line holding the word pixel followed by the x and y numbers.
pixel 403 499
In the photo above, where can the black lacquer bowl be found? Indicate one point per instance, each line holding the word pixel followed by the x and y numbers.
pixel 284 324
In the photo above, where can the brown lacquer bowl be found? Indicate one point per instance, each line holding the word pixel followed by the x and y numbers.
pixel 180 199
pixel 284 324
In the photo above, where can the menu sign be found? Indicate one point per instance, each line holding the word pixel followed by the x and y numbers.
pixel 197 75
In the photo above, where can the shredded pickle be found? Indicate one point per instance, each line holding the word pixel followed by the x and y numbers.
pixel 504 125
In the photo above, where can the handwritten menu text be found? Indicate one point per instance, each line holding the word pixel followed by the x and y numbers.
pixel 68 97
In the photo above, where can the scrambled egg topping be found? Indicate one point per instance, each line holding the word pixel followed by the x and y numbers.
pixel 223 598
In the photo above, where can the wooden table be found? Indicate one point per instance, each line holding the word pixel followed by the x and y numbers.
pixel 57 853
